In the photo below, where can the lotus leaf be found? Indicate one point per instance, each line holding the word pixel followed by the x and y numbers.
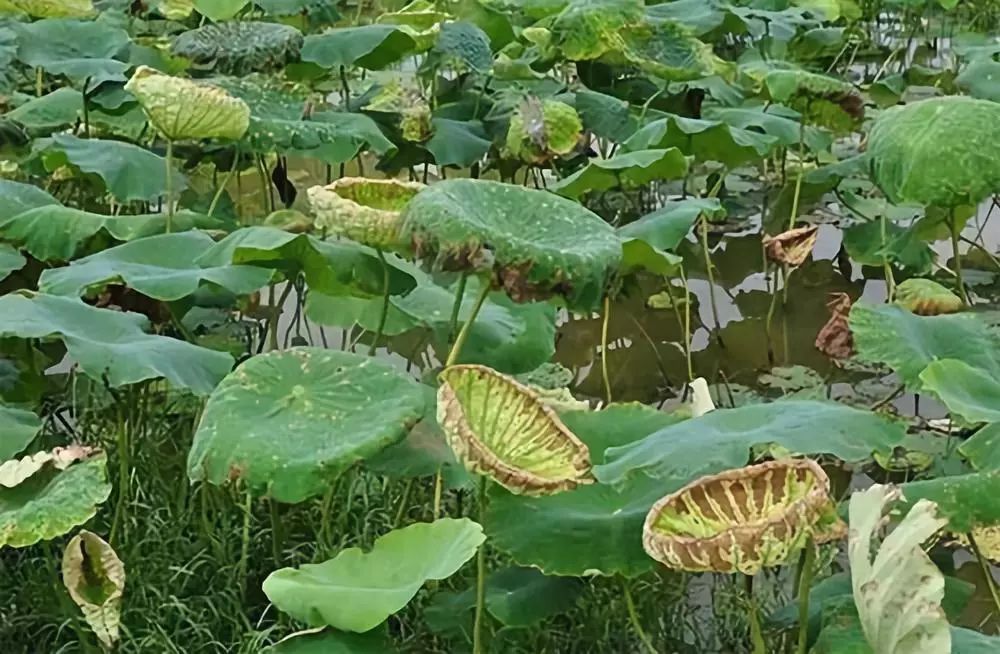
pixel 50 112
pixel 463 47
pixel 368 46
pixel 668 51
pixel 331 642
pixel 821 99
pixel 220 9
pixel 161 267
pixel 540 130
pixel 364 210
pixel 10 260
pixel 629 170
pixel 95 578
pixel 591 29
pixel 239 47
pixel 705 140
pixel 80 50
pixel 500 428
pixel 981 79
pixel 457 143
pixel 792 247
pixel 965 501
pixel 743 520
pixel 532 237
pixel 51 503
pixel 937 151
pixel 898 594
pixel 925 297
pixel 18 428
pixel 605 115
pixel 50 8
pixel 112 345
pixel 332 408
pixel 668 226
pixel 356 590
pixel 775 120
pixel 17 198
pixel 865 244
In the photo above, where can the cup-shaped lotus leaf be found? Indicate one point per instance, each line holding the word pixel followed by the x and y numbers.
pixel 239 47
pixel 364 210
pixel 542 129
pixel 182 109
pixel 743 520
pixel 791 247
pixel 49 8
pixel 500 428
pixel 925 297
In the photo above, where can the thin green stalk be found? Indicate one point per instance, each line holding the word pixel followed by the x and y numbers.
pixel 275 314
pixel 123 465
pixel 385 302
pixel 687 326
pixel 990 581
pixel 634 619
pixel 890 282
pixel 324 517
pixel 805 583
pixel 756 633
pixel 477 627
pixel 438 487
pixel 241 570
pixel 277 537
pixel 39 80
pixel 711 275
pixel 225 181
pixel 457 306
pixel 955 232
pixel 169 184
pixel 456 349
pixel 604 348
pixel 404 498
pixel 770 317
pixel 798 178
pixel 86 109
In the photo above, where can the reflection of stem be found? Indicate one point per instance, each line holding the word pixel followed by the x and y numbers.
pixel 385 302
pixel 990 581
pixel 456 306
pixel 604 348
pixel 955 230
pixel 456 349
pixel 756 634
pixel 169 183
pixel 805 582
pixel 634 619
pixel 477 627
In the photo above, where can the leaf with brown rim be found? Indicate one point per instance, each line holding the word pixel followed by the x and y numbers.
pixel 791 247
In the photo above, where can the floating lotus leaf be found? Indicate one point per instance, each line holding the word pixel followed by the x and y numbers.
pixel 95 578
pixel 365 210
pixel 925 297
pixel 542 129
pixel 500 428
pixel 940 151
pixel 49 8
pixel 898 594
pixel 531 237
pixel 743 520
pixel 50 112
pixel 835 339
pixel 182 109
pixel 239 47
pixel 791 247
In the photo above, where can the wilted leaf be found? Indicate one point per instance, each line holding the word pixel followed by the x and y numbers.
pixel 835 339
pixel 925 297
pixel 792 247
pixel 542 129
pixel 95 578
pixel 364 210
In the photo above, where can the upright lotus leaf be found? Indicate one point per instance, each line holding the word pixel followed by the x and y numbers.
pixel 111 345
pixel 898 594
pixel 542 129
pixel 423 19
pixel 705 140
pixel 162 267
pixel 369 46
pixel 458 143
pixel 822 100
pixel 10 260
pixel 407 100
pixel 907 343
pixel 532 238
pixel 356 590
pixel 84 51
pixel 937 152
pixel 239 47
pixel 50 112
pixel 965 501
pixel 219 10
pixel 49 8
pixel 365 210
pixel 500 428
pixel 331 642
pixel 775 120
pixel 970 391
pixel 95 578
pixel 463 47
pixel 182 109
pixel 980 79
pixel 743 520
pixel 925 297
pixel 331 408
pixel 591 29
pixel 52 502
pixel 16 198
pixel 669 51
pixel 791 247
pixel 668 226
pixel 18 428
pixel 724 438
pixel 628 171
pixel 835 339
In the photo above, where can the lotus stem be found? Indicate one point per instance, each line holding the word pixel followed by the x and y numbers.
pixel 456 306
pixel 798 178
pixel 276 535
pixel 990 581
pixel 890 282
pixel 756 633
pixel 770 316
pixel 477 627
pixel 438 484
pixel 634 619
pixel 711 275
pixel 241 569
pixel 955 232
pixel 39 79
pixel 604 348
pixel 456 349
pixel 805 583
pixel 225 182
pixel 687 326
pixel 385 302
pixel 169 184
pixel 86 110
pixel 116 521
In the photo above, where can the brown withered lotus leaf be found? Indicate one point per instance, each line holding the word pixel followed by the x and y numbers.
pixel 791 247
pixel 925 297
pixel 364 210
pixel 835 339
pixel 500 428
pixel 743 520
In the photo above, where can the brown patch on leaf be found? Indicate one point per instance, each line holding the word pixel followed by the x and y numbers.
pixel 791 247
pixel 835 339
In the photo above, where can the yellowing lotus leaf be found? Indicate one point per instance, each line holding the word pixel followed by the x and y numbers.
pixel 925 297
pixel 501 428
pixel 791 247
pixel 95 578
pixel 363 210
pixel 49 8
pixel 743 520
pixel 542 129
pixel 182 109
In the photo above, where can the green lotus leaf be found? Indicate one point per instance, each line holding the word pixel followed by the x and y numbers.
pixel 365 210
pixel 723 439
pixel 81 50
pixel 898 594
pixel 219 10
pixel 591 529
pixel 52 502
pixel 700 16
pixel 280 120
pixel 332 409
pixel 937 151
pixel 346 311
pixel 907 343
pixel 94 576
pixel 369 46
pixel 925 297
pixel 239 47
pixel 531 236
pixel 111 345
pixel 331 642
pixel 420 15
pixel 356 590
pixel 591 29
pixel 10 260
pixel 981 79
pixel 161 267
pixel 864 243
pixel 668 51
pixel 18 428
pixel 605 115
pixel 457 143
pixel 822 100
pixel 49 8
pixel 705 140
pixel 965 501
pixel 16 198
pixel 498 427
pixel 743 520
pixel 50 112
pixel 462 46
pixel 774 120
pixel 982 449
pixel 182 109
pixel 628 171
pixel 540 130
pixel 667 227
pixel 129 172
